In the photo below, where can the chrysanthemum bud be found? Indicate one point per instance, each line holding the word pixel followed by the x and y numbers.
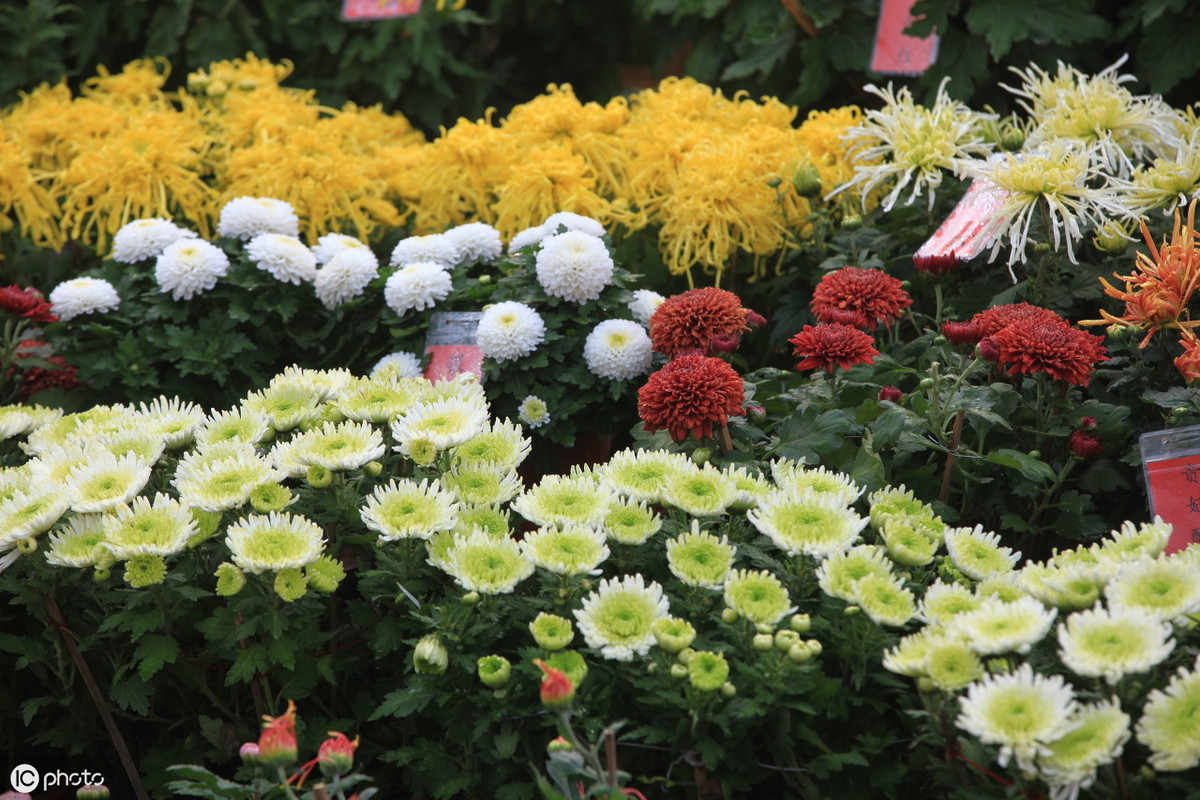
pixel 728 690
pixel 494 671
pixel 249 754
pixel 762 642
pixel 785 638
pixel 230 579
pixel 852 222
pixel 27 545
pixel 101 574
pixel 373 469
pixel 800 623
pixel 799 653
pixel 701 456
pixel 318 477
pixel 94 791
pixel 335 756
pixel 430 656
pixel 325 574
pixel 806 180
pixel 891 394
pixel 557 691
pixel 216 89
pixel 277 743
pixel 551 632
pixel 470 599
pixel 559 745
pixel 729 615
pixel 679 670
pixel 270 497
pixel 290 584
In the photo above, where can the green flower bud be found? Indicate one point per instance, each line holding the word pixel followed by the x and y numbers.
pixel 290 584
pixel 145 570
pixel 685 655
pixel 800 623
pixel 673 634
pixel 318 477
pixel 679 670
pixel 806 180
pixel 270 497
pixel 852 222
pixel 850 611
pixel 325 574
pixel 216 89
pixel 763 641
pixel 799 653
pixel 494 671
pixel 101 574
pixel 551 631
pixel 230 580
pixel 728 690
pixel 470 599
pixel 784 639
pixel 701 456
pixel 27 545
pixel 729 615
pixel 430 656
pixel 373 469
pixel 814 646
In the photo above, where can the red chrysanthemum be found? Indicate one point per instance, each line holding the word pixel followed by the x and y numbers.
pixel 832 345
pixel 891 393
pixel 1085 445
pixel 1049 346
pixel 876 296
pixel 28 303
pixel 962 332
pixel 693 319
pixel 996 318
pixel 690 395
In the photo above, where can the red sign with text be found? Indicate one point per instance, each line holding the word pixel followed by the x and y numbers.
pixel 1174 485
pixel 897 53
pixel 354 10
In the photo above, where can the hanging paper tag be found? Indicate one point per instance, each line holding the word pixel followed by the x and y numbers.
pixel 971 226
pixel 356 10
pixel 1171 461
pixel 895 52
pixel 450 343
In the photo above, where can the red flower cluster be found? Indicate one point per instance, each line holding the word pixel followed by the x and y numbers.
pixel 863 298
pixel 1085 445
pixel 937 265
pixel 832 345
pixel 1049 346
pixel 690 395
pixel 39 379
pixel 27 303
pixel 692 320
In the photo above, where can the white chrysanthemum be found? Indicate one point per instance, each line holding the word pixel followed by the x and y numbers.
pixel 145 238
pixel 575 266
pixel 52 465
pixel 374 400
pixel 14 480
pixel 1113 643
pixel 750 486
pixel 572 222
pixel 171 418
pixel 464 386
pixel 339 445
pixel 14 421
pixel 395 366
pixel 907 544
pixel 236 425
pixel 1170 726
pixel 758 596
pixel 529 237
pixel 563 500
pixel 106 482
pixel 909 654
pixel 345 276
pixel 700 559
pixel 417 286
pixel 246 217
pixel 618 349
pixel 331 244
pixel 1163 588
pixel 641 474
pixel 533 412
pixel 326 383
pixel 160 527
pixel 1004 586
pixel 998 627
pixel 480 562
pixel 977 553
pixel 408 509
pixel 30 512
pixel 509 330
pixel 189 267
pixel 434 249
pixel 1095 737
pixel 815 524
pixel 79 296
pixel 617 618
pixel 1128 541
pixel 794 477
pixel 285 257
pixel 285 406
pixel 444 423
pixel 631 522
pixel 703 492
pixel 71 427
pixel 885 599
pixel 502 444
pixel 225 479
pixel 271 542
pixel 1066 586
pixel 1022 711
pixel 644 304
pixel 481 484
pixel 570 550
pixel 146 445
pixel 475 241
pixel 80 544
pixel 943 601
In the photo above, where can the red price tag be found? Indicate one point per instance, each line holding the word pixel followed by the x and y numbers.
pixel 355 10
pixel 448 360
pixel 1174 485
pixel 895 52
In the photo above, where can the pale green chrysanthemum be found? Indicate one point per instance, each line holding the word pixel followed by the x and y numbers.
pixel 500 445
pixel 407 509
pixel 707 671
pixel 327 383
pixel 839 573
pixel 173 419
pixel 1165 588
pixel 487 564
pixel 286 405
pixel 703 492
pixel 147 447
pixel 480 484
pixel 271 542
pixel 570 550
pixel 325 574
pixel 240 425
pixel 223 478
pixel 1113 643
pixel 338 446
pixel 618 618
pixel 445 423
pixel 1067 588
pixel 551 632
pixel 978 554
pixel 375 400
pixel 63 430
pixel 951 665
pixel 641 474
pixel 145 570
pixel 14 480
pixel 492 520
pixel 758 596
pixel 907 545
pixel 230 580
pixel 885 600
pixel 290 584
pixel 53 465
pixel 1130 541
pixel 814 524
pixel 28 513
pixel 700 559
pixel 79 544
pixel 464 386
pixel 267 497
pixel 14 421
pixel 1170 723
pixel 160 527
pixel 942 601
pixel 631 522
pixel 998 627
pixel 106 482
pixel 1022 711
pixel 795 478
pixel 438 547
pixel 564 499
pixel 673 634
pixel 533 412
pixel 908 656
pixel 750 487
pixel 1003 586
pixel 896 501
pixel 1096 736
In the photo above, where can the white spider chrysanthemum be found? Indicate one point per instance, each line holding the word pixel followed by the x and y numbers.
pixel 235 425
pixel 223 480
pixel 1170 726
pixel 618 349
pixel 794 477
pixel 69 427
pixel 998 627
pixel 1096 736
pixel 395 366
pixel 444 423
pixel 285 406
pixel 617 618
pixel 285 257
pixel 30 512
pixel 246 217
pixel 943 601
pixel 79 296
pixel 271 542
pixel 574 266
pixel 1113 643
pixel 143 239
pixel 751 487
pixel 417 285
pixel 527 238
pixel 52 465
pixel 1021 711
pixel 815 524
pixel 911 145
pixel 171 418
pixel 978 553
pixel 641 474
pixel 190 267
pixel 480 562
pixel 331 244
pixel 15 479
pixel 148 445
pixel 563 500
pixel 703 492
pixel 339 445
pixel 408 509
pixel 159 527
pixel 533 412
pixel 1162 588
pixel 345 276
pixel 509 330
pixel 572 222
pixel 570 550
pixel 434 248
pixel 481 484
pixel 106 482
pixel 643 305
pixel 475 241
pixel 502 444
pixel 80 544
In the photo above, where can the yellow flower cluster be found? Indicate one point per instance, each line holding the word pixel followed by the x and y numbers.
pixel 712 175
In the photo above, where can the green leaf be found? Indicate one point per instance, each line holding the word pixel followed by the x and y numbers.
pixel 1033 468
pixel 403 702
pixel 1005 22
pixel 153 653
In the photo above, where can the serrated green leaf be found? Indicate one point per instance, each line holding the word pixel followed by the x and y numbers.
pixel 153 652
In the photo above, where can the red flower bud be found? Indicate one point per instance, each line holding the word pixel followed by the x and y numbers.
pixel 1085 445
pixel 723 343
pixel 962 332
pixel 336 754
pixel 1088 422
pixel 891 393
pixel 249 753
pixel 277 744
pixel 988 350
pixel 754 320
pixel 557 689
